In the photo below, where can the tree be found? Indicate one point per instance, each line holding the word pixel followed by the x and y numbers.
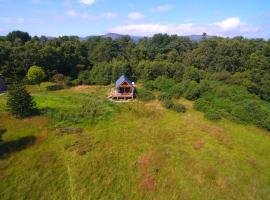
pixel 22 36
pixel 20 102
pixel 36 75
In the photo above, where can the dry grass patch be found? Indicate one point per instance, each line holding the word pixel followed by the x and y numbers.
pixel 198 144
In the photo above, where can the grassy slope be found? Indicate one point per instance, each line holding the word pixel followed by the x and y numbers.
pixel 143 152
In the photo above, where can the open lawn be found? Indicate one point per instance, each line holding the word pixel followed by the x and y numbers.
pixel 132 150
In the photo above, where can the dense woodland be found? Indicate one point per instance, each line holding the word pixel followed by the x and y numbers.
pixel 229 77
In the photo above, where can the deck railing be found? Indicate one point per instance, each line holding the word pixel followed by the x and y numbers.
pixel 117 95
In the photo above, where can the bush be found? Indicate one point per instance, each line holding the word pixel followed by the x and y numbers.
pixel 168 104
pixel 145 95
pixel 212 115
pixel 192 91
pixel 179 108
pixel 67 81
pixel 164 84
pixel 54 87
pixel 174 106
pixel 83 77
pixel 20 102
pixel 235 103
pixel 58 78
pixel 164 96
pixel 201 105
pixel 35 75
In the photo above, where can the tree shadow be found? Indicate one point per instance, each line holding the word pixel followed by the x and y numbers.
pixel 2 131
pixel 7 148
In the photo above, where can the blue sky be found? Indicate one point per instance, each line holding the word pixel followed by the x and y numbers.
pixel 250 18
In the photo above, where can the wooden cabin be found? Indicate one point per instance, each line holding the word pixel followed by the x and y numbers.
pixel 124 89
pixel 2 84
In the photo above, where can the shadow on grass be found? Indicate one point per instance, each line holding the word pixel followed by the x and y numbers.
pixel 7 148
pixel 2 131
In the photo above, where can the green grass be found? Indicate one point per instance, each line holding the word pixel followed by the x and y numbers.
pixel 141 151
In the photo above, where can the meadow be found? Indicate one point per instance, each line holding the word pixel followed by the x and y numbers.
pixel 83 146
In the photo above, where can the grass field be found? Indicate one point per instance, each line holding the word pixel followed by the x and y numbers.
pixel 135 150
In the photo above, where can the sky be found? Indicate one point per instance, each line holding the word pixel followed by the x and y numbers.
pixel 228 18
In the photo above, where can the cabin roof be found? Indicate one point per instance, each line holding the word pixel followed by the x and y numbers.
pixel 122 79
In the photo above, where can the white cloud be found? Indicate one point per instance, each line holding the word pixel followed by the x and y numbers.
pixel 230 23
pixel 85 15
pixel 40 1
pixel 7 20
pixel 135 16
pixel 162 8
pixel 229 27
pixel 108 15
pixel 71 13
pixel 87 2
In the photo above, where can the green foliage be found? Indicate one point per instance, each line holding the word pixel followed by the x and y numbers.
pixel 83 78
pixel 91 110
pixel 212 115
pixel 167 86
pixel 101 74
pixel 174 106
pixel 179 108
pixel 18 35
pixel 191 90
pixel 161 58
pixel 19 102
pixel 54 87
pixel 168 104
pixel 145 95
pixel 119 68
pixel 235 103
pixel 36 74
pixel 164 96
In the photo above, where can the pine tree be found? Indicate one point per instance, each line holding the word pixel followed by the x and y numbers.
pixel 20 102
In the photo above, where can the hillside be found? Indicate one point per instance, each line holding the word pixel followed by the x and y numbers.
pixel 136 39
pixel 135 150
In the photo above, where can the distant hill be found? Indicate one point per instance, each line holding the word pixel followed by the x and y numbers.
pixel 116 36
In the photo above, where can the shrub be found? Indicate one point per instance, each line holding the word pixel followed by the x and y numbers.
pixel 145 95
pixel 168 104
pixel 163 83
pixel 58 78
pixel 179 108
pixel 36 74
pixel 164 96
pixel 204 86
pixel 221 76
pixel 192 91
pixel 54 87
pixel 212 115
pixel 149 85
pixel 20 102
pixel 83 77
pixel 174 106
pixel 67 81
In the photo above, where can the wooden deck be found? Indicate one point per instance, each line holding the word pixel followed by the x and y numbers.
pixel 114 94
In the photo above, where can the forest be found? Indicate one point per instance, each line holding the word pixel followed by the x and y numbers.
pixel 228 77
pixel 197 129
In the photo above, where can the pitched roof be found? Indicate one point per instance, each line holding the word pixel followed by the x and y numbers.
pixel 122 79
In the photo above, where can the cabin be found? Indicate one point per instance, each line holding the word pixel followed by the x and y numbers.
pixel 124 89
pixel 2 84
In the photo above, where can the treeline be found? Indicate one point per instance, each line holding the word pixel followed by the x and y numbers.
pixel 100 60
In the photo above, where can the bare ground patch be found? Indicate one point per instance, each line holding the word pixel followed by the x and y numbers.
pixel 145 165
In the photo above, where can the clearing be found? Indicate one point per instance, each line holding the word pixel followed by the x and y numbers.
pixel 135 150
